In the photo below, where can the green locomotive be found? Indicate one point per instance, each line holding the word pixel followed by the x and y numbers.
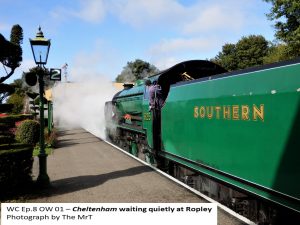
pixel 233 135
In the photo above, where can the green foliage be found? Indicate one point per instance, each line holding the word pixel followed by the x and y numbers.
pixel 136 70
pixel 15 118
pixel 20 87
pixel 255 50
pixel 251 50
pixel 247 52
pixel 8 139
pixel 276 53
pixel 286 14
pixel 227 58
pixel 51 138
pixel 28 132
pixel 11 51
pixel 15 167
pixel 15 158
pixel 17 98
pixel 17 101
pixel 36 151
pixel 8 127
pixel 16 36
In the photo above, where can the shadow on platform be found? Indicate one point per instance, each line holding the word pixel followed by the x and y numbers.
pixel 73 184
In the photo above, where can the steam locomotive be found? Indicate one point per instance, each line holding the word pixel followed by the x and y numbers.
pixel 232 135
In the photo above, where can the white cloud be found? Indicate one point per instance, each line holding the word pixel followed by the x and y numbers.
pixel 202 16
pixel 202 28
pixel 144 12
pixel 198 29
pixel 166 62
pixel 169 52
pixel 178 45
pixel 199 17
pixel 91 10
pixel 215 17
pixel 60 13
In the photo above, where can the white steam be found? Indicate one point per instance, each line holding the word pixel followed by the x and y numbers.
pixel 81 104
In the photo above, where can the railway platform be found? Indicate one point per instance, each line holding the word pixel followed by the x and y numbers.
pixel 85 169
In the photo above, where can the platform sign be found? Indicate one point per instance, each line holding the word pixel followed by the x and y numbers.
pixel 55 74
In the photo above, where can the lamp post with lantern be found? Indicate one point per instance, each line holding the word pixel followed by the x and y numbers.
pixel 40 47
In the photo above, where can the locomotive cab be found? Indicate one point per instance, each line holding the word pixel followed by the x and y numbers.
pixel 183 72
pixel 187 72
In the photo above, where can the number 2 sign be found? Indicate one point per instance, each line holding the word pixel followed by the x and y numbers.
pixel 55 74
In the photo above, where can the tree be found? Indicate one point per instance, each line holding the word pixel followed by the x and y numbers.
pixel 16 36
pixel 136 70
pixel 247 52
pixel 17 101
pixel 277 52
pixel 11 51
pixel 17 98
pixel 286 14
pixel 227 58
pixel 251 50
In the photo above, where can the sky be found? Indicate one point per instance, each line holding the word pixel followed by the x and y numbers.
pixel 98 37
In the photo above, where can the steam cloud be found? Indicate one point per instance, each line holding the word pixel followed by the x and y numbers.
pixel 81 104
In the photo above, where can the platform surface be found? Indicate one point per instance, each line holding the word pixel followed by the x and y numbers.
pixel 86 169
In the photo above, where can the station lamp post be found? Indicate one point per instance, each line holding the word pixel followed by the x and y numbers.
pixel 40 49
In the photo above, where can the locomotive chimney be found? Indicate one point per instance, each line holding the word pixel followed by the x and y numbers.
pixel 127 86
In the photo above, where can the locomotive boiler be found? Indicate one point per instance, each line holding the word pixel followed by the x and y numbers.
pixel 232 135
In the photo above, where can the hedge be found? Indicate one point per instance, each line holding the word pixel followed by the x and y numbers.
pixel 12 146
pixel 28 132
pixel 15 167
pixel 15 118
pixel 7 138
pixel 6 107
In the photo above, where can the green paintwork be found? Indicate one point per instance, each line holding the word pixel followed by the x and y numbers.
pixel 131 105
pixel 133 149
pixel 263 152
pixel 260 155
pixel 124 127
pixel 133 102
pixel 147 122
pixel 50 117
pixel 130 102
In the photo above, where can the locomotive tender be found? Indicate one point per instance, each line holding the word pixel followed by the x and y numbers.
pixel 233 135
